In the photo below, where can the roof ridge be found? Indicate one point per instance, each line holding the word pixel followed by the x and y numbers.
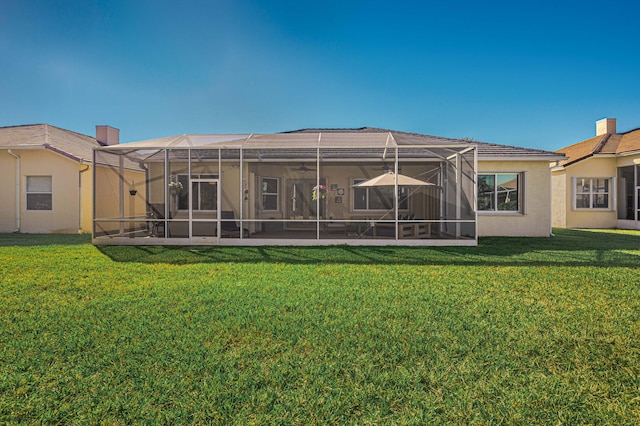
pixel 71 131
pixel 46 125
pixel 630 131
pixel 601 144
pixel 46 134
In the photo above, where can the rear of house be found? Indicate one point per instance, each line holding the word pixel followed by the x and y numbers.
pixel 318 187
pixel 598 185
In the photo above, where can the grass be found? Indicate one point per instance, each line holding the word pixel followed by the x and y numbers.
pixel 514 331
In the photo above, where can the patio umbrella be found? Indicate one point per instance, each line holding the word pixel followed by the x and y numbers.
pixel 389 179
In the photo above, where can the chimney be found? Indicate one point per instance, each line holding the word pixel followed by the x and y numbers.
pixel 606 125
pixel 107 135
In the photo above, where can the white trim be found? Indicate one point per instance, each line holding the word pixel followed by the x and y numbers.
pixel 513 158
pixel 611 196
pixel 277 194
pixel 521 195
pixel 252 242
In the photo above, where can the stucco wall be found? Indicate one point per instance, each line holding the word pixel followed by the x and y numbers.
pixel 107 198
pixel 563 195
pixel 535 218
pixel 64 217
pixel 558 199
pixel 8 192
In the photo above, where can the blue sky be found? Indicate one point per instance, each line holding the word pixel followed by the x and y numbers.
pixel 535 74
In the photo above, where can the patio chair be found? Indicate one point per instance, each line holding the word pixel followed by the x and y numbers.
pixel 229 228
pixel 156 214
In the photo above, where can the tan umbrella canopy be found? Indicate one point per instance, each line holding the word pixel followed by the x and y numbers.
pixel 389 179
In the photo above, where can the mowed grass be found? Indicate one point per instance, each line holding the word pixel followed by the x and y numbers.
pixel 514 331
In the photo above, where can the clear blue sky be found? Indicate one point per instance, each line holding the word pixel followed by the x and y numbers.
pixel 535 74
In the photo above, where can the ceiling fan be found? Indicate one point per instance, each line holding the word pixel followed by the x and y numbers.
pixel 386 167
pixel 304 169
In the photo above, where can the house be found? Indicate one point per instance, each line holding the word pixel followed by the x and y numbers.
pixel 48 179
pixel 363 186
pixel 598 184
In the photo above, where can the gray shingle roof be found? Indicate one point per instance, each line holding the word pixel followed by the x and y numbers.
pixel 73 145
pixel 486 150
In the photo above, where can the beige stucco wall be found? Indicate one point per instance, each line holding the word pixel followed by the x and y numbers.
pixel 8 192
pixel 65 214
pixel 422 203
pixel 107 198
pixel 558 198
pixel 230 178
pixel 535 219
pixel 564 216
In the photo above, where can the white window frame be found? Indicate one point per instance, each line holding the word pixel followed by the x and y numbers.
pixel 277 193
pixel 611 193
pixel 521 188
pixel 186 188
pixel 50 193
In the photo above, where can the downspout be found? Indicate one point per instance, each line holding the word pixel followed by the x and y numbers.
pixel 17 157
pixel 80 197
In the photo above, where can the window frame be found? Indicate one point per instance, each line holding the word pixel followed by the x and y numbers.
pixel 196 176
pixel 49 193
pixel 520 176
pixel 355 181
pixel 269 194
pixel 610 193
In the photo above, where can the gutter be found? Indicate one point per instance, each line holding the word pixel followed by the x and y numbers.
pixel 80 197
pixel 17 157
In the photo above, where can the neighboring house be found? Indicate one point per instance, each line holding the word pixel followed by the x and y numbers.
pixel 47 178
pixel 322 186
pixel 598 184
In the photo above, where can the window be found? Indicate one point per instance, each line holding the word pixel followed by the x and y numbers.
pixel 39 196
pixel 269 191
pixel 499 192
pixel 592 193
pixel 379 197
pixel 204 194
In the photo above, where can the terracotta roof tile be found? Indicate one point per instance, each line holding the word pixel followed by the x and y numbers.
pixel 610 143
pixel 630 141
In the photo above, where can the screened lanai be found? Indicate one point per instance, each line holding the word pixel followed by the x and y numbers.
pixel 301 188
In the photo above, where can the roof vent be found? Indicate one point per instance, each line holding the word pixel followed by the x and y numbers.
pixel 107 135
pixel 606 125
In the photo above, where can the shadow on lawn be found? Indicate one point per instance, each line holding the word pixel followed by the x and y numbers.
pixel 567 248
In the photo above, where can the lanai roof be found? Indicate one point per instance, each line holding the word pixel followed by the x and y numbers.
pixel 365 137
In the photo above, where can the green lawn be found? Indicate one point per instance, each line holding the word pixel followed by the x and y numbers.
pixel 514 331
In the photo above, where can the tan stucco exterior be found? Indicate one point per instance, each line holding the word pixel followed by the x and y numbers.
pixel 534 219
pixel 71 205
pixel 564 213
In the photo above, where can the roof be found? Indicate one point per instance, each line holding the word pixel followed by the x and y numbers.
pixel 358 139
pixel 73 145
pixel 605 144
pixel 486 151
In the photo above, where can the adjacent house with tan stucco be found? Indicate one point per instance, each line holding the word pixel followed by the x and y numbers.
pixel 47 178
pixel 598 184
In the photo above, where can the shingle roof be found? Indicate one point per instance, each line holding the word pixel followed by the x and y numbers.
pixel 73 145
pixel 608 143
pixel 486 150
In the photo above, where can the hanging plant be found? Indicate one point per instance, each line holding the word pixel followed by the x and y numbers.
pixel 319 191
pixel 175 187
